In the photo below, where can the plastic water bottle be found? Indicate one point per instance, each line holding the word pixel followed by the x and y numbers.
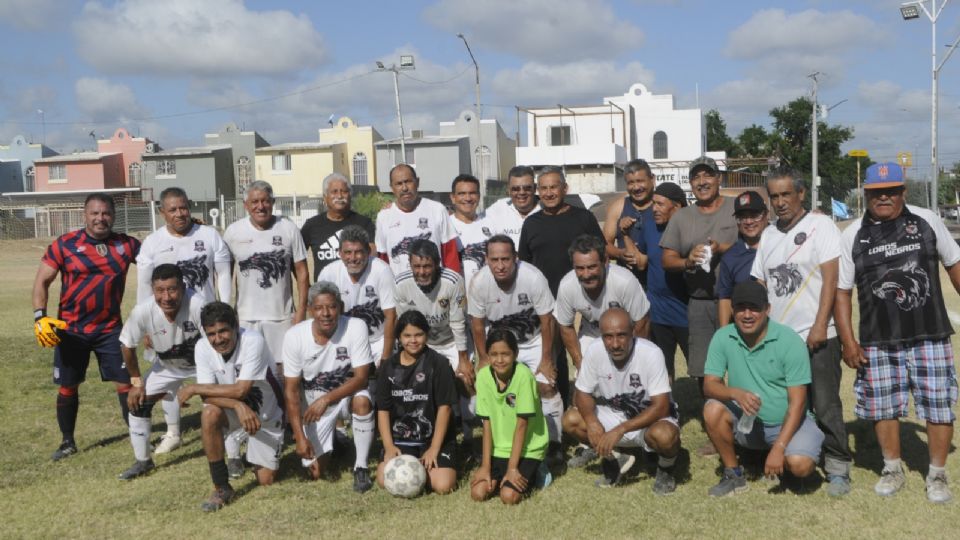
pixel 745 424
pixel 706 257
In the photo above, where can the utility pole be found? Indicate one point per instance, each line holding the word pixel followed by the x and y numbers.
pixel 479 151
pixel 406 63
pixel 815 179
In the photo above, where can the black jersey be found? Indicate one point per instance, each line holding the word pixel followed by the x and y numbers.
pixel 413 394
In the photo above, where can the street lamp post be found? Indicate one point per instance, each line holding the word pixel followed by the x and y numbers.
pixel 479 151
pixel 406 63
pixel 911 10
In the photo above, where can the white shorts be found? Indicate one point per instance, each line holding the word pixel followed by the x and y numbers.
pixel 585 342
pixel 272 332
pixel 531 357
pixel 376 349
pixel 320 433
pixel 610 418
pixel 160 380
pixel 263 447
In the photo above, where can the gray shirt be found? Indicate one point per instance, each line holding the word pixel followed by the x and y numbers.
pixel 689 227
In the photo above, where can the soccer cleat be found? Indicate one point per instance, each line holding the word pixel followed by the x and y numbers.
pixel 168 443
pixel 220 497
pixel 582 455
pixel 361 480
pixel 838 485
pixel 235 468
pixel 730 483
pixel 139 468
pixel 614 468
pixel 664 483
pixel 67 449
pixel 891 481
pixel 938 491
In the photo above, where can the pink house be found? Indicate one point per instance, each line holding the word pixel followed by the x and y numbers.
pixel 83 171
pixel 130 150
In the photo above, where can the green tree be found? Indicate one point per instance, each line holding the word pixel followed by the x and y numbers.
pixel 949 185
pixel 754 141
pixel 717 138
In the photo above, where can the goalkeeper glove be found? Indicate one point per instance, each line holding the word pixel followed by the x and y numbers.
pixel 45 328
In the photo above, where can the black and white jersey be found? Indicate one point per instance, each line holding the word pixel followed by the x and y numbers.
pixel 621 290
pixel 325 367
pixel 519 308
pixel 250 361
pixel 397 229
pixel 413 394
pixel 200 254
pixel 895 266
pixel 472 244
pixel 173 342
pixel 504 218
pixel 444 307
pixel 265 262
pixel 368 297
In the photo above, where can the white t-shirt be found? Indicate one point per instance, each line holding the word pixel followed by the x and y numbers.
pixel 622 289
pixel 325 367
pixel 518 308
pixel 366 299
pixel 397 229
pixel 250 361
pixel 265 262
pixel 173 342
pixel 444 307
pixel 627 390
pixel 200 254
pixel 790 262
pixel 503 218
pixel 472 244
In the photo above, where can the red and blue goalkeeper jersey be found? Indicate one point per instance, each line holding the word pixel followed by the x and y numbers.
pixel 93 274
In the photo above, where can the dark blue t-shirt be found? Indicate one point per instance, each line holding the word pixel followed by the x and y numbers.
pixel 666 291
pixel 734 267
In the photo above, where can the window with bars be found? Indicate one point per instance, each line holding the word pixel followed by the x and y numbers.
pixel 659 145
pixel 166 167
pixel 359 169
pixel 58 173
pixel 282 162
pixel 134 177
pixel 244 175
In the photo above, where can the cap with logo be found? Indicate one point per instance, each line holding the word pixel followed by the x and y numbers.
pixel 671 191
pixel 883 175
pixel 749 201
pixel 703 162
pixel 749 293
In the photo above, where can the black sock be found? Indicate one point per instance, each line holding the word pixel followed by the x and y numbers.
pixel 219 474
pixel 124 409
pixel 67 407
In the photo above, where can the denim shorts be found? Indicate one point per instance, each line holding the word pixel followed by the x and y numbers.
pixel 806 441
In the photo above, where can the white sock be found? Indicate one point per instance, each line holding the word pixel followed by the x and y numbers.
pixel 171 414
pixel 232 442
pixel 553 410
pixel 934 471
pixel 363 433
pixel 666 462
pixel 891 464
pixel 140 437
pixel 473 405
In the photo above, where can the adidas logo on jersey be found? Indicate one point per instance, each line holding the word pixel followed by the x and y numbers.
pixel 329 250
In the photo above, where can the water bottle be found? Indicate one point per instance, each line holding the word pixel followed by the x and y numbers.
pixel 706 257
pixel 745 424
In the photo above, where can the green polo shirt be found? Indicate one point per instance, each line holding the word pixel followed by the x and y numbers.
pixel 779 361
pixel 519 398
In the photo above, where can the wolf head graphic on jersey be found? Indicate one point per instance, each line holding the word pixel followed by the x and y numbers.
pixel 523 324
pixel 195 271
pixel 326 381
pixel 907 286
pixel 254 399
pixel 181 354
pixel 272 265
pixel 785 278
pixel 415 427
pixel 403 246
pixel 476 253
pixel 631 404
pixel 370 313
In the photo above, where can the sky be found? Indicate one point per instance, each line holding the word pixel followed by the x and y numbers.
pixel 176 69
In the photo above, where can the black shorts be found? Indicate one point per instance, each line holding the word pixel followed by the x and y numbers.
pixel 528 469
pixel 444 458
pixel 72 357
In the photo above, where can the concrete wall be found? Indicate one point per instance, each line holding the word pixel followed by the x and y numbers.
pixel 11 176
pixel 242 144
pixel 501 147
pixel 105 173
pixel 308 168
pixel 436 164
pixel 655 112
pixel 129 148
pixel 356 139
pixel 26 153
pixel 204 177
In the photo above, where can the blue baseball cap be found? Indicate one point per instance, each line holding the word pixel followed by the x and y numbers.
pixel 883 175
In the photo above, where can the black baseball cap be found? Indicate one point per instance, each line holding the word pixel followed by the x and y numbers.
pixel 750 293
pixel 671 191
pixel 749 201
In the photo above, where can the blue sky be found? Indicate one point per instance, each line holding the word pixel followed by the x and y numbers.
pixel 177 69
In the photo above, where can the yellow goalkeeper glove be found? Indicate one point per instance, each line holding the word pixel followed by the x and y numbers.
pixel 45 328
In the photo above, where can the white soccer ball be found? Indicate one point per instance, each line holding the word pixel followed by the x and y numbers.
pixel 404 476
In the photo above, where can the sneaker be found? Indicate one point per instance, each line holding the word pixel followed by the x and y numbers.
pixel 614 468
pixel 937 489
pixel 582 455
pixel 235 468
pixel 168 443
pixel 361 480
pixel 67 449
pixel 891 481
pixel 838 485
pixel 664 483
pixel 544 476
pixel 139 468
pixel 220 497
pixel 730 483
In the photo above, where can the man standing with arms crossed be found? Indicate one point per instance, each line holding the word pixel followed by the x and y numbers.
pixel 626 217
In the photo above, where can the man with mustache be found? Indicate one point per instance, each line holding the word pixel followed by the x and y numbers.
pixel 506 216
pixel 321 233
pixel 893 256
pixel 623 226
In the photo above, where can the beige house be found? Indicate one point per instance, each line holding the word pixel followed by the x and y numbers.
pixel 357 143
pixel 299 168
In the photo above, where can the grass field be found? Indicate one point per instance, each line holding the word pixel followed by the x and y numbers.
pixel 82 498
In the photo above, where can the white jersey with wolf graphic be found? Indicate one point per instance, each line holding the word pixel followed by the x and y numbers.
pixel 518 308
pixel 368 297
pixel 622 290
pixel 472 244
pixel 265 262
pixel 325 367
pixel 201 254
pixel 250 361
pixel 627 390
pixel 504 218
pixel 397 229
pixel 173 342
pixel 444 307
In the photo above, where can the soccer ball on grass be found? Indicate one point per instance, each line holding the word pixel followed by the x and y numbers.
pixel 404 476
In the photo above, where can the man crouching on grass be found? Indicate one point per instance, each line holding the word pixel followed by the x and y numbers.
pixel 238 390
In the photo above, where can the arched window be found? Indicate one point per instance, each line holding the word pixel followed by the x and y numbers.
pixel 659 145
pixel 481 160
pixel 244 175
pixel 31 175
pixel 133 177
pixel 359 169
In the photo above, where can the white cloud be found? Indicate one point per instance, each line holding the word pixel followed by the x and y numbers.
pixel 550 31
pixel 577 83
pixel 183 37
pixel 28 14
pixel 101 100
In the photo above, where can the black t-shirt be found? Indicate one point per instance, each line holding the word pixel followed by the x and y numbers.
pixel 322 236
pixel 545 239
pixel 413 394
